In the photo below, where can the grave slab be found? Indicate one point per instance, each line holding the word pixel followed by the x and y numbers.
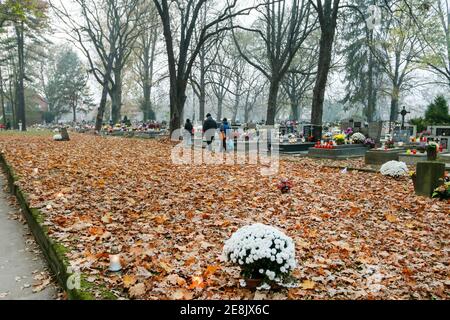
pixel 428 174
pixel 339 152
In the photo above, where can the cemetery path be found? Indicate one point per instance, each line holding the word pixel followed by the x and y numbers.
pixel 23 272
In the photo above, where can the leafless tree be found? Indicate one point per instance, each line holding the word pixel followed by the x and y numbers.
pixel 283 27
pixel 106 32
pixel 327 11
pixel 181 45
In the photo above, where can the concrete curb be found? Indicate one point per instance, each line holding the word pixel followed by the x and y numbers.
pixel 54 252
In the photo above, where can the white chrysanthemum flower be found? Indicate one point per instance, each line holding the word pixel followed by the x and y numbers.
pixel 260 245
pixel 394 169
pixel 358 137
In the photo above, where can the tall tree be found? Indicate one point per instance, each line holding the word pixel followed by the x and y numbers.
pixel 220 74
pixel 362 71
pixel 299 80
pixel 434 34
pixel 64 83
pixel 283 27
pixel 181 45
pixel 327 11
pixel 145 55
pixel 25 17
pixel 106 33
pixel 397 50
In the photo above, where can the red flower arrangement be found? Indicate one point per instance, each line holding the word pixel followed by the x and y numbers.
pixel 327 145
pixel 285 186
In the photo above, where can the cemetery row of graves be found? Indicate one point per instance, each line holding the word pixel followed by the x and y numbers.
pixel 348 217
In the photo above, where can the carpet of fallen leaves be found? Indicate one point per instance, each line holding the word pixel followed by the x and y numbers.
pixel 358 235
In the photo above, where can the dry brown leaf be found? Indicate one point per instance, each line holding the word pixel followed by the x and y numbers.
pixel 137 290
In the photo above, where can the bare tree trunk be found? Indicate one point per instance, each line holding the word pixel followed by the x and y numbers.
pixel 394 103
pixel 177 101
pixel 74 110
pixel 2 97
pixel 371 98
pixel 20 88
pixel 219 108
pixel 272 104
pixel 202 89
pixel 326 46
pixel 116 97
pixel 294 109
pixel 327 11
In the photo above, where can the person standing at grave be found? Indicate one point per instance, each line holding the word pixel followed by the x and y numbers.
pixel 209 129
pixel 225 130
pixel 188 132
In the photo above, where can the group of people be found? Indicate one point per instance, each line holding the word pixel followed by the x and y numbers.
pixel 209 129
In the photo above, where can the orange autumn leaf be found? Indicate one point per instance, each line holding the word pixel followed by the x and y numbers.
pixel 96 231
pixel 160 219
pixel 197 283
pixel 190 261
pixel 210 270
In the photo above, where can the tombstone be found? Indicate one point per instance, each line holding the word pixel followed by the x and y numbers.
pixel 440 134
pixel 401 135
pixel 442 131
pixel 308 130
pixel 444 143
pixel 374 131
pixel 428 175
pixel 64 134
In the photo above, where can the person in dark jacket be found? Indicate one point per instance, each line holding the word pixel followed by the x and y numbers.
pixel 209 127
pixel 225 130
pixel 188 132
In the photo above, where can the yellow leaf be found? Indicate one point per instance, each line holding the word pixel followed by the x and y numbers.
pixel 128 280
pixel 308 285
pixel 390 217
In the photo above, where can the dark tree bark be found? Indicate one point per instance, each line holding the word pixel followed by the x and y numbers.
pixel 272 103
pixel 327 11
pixel 2 95
pixel 116 96
pixel 20 77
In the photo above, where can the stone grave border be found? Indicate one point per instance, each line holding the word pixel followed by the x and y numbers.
pixel 53 251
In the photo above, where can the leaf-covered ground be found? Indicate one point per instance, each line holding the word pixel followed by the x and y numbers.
pixel 358 235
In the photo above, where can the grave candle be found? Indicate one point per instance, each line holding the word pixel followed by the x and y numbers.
pixel 114 263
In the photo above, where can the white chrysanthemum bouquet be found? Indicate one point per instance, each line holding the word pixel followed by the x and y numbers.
pixel 394 169
pixel 262 252
pixel 358 137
